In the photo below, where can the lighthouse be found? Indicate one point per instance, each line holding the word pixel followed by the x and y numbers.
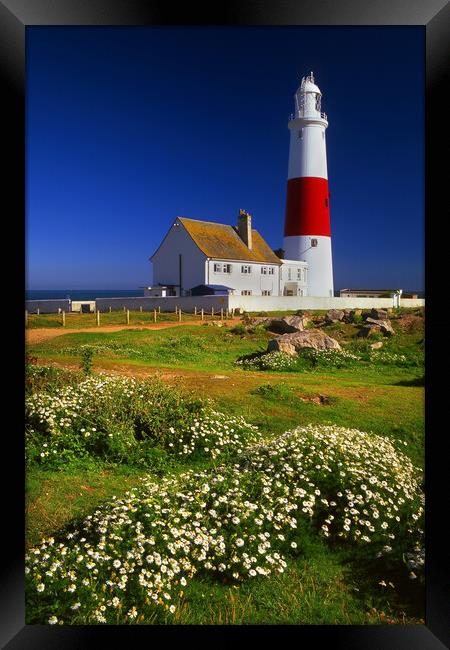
pixel 307 235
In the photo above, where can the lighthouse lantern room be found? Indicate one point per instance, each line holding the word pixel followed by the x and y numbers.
pixel 307 234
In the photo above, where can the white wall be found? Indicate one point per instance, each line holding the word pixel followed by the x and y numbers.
pixel 255 281
pixel 50 306
pixel 288 303
pixel 166 260
pixel 149 303
pixel 249 303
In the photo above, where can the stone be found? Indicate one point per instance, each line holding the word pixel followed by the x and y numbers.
pixel 295 342
pixel 355 313
pixel 288 324
pixel 379 314
pixel 334 315
pixel 384 325
pixel 368 330
pixel 377 345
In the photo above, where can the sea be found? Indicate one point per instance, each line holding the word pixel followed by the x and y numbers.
pixel 81 294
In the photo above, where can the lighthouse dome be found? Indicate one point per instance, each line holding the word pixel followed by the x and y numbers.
pixel 310 87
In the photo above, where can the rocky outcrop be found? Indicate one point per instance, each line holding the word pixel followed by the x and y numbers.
pixel 294 343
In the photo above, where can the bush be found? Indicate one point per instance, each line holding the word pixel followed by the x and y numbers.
pixel 121 420
pixel 269 361
pixel 48 377
pixel 86 360
pixel 131 560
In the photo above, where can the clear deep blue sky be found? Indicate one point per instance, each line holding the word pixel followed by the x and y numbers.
pixel 129 127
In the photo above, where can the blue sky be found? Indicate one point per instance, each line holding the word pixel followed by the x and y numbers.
pixel 128 128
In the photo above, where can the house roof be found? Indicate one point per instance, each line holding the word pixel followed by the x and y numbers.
pixel 370 290
pixel 220 241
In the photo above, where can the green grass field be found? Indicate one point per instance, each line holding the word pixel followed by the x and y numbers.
pixel 323 585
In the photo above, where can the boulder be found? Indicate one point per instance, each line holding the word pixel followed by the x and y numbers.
pixel 288 324
pixel 369 330
pixel 379 314
pixel 295 342
pixel 384 325
pixel 334 315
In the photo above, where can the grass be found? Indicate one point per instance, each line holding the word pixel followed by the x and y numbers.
pixel 320 587
pixel 75 320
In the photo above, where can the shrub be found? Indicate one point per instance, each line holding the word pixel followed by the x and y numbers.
pixel 86 360
pixel 122 419
pixel 131 560
pixel 48 377
pixel 238 329
pixel 269 361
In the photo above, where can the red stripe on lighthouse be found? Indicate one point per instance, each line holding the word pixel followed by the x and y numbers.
pixel 307 207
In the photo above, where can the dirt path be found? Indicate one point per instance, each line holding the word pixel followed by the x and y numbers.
pixel 43 334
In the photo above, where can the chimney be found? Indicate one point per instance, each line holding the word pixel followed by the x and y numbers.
pixel 245 228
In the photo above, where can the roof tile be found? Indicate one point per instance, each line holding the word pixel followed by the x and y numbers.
pixel 222 242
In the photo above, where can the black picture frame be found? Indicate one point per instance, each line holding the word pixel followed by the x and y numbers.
pixel 433 15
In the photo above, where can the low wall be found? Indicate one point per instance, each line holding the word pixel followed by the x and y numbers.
pixel 244 303
pixel 76 305
pixel 47 306
pixel 292 303
pixel 168 304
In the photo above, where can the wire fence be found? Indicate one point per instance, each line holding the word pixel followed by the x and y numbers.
pixel 125 317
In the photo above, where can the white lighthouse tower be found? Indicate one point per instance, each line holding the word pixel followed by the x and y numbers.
pixel 307 234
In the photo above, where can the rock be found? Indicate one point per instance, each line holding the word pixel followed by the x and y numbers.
pixel 384 325
pixel 369 330
pixel 297 341
pixel 377 345
pixel 334 315
pixel 288 324
pixel 379 314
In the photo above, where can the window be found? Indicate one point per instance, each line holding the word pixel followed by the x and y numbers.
pixel 246 292
pixel 299 274
pixel 289 273
pixel 271 270
pixel 246 268
pixel 313 243
pixel 222 268
pixel 266 293
pixel 264 270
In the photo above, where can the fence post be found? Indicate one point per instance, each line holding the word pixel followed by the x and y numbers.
pixel 221 313
pixel 110 310
pixel 154 315
pixel 159 309
pixel 98 317
pixel 140 308
pixel 176 310
pixel 195 311
pixel 212 312
pixel 26 318
pixel 202 314
pixel 179 315
pixel 37 311
pixel 64 318
pixel 128 316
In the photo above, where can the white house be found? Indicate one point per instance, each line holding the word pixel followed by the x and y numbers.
pixel 204 256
